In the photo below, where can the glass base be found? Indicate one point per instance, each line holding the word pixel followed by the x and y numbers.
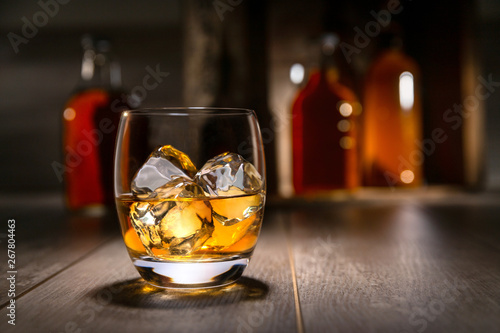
pixel 201 274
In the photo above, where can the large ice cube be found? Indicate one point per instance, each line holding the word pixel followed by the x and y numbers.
pixel 187 226
pixel 145 218
pixel 162 166
pixel 176 227
pixel 241 215
pixel 180 188
pixel 224 237
pixel 229 211
pixel 229 174
pixel 179 224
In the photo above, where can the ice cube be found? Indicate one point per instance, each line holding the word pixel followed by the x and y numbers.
pixel 229 211
pixel 179 224
pixel 187 226
pixel 145 218
pixel 241 214
pixel 224 237
pixel 162 166
pixel 229 174
pixel 180 188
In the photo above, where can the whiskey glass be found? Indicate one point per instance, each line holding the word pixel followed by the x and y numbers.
pixel 190 192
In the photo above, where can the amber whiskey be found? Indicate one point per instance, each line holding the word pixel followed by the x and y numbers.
pixel 184 229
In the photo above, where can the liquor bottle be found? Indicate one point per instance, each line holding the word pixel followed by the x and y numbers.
pixel 324 127
pixel 392 119
pixel 90 121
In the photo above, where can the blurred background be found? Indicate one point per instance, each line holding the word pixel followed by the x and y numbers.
pixel 239 53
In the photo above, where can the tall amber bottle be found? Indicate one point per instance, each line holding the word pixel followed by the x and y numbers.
pixel 324 128
pixel 90 121
pixel 392 120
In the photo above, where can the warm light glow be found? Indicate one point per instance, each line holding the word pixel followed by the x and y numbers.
pixel 346 142
pixel 406 95
pixel 69 114
pixel 124 114
pixel 407 176
pixel 344 125
pixel 297 73
pixel 345 109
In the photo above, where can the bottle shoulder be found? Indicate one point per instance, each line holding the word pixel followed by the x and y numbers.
pixel 91 95
pixel 393 61
pixel 323 90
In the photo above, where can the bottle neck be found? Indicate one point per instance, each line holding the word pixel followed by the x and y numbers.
pixel 99 71
pixel 327 63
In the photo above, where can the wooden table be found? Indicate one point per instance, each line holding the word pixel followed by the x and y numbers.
pixel 398 263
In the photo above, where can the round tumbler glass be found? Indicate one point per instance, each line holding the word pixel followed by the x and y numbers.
pixel 190 192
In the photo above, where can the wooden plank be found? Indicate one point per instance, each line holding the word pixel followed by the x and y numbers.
pixel 400 267
pixel 478 219
pixel 103 293
pixel 48 240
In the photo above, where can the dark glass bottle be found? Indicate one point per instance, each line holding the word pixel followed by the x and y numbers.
pixel 392 119
pixel 324 126
pixel 90 121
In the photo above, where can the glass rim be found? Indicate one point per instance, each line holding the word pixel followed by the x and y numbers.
pixel 190 111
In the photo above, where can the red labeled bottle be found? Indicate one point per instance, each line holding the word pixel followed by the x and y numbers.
pixel 90 121
pixel 324 128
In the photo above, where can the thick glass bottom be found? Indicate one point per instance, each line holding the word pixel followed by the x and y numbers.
pixel 201 274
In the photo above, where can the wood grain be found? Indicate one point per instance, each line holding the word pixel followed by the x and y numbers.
pixel 48 241
pixel 400 267
pixel 103 293
pixel 408 265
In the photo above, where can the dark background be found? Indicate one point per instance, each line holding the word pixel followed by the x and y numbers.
pixel 35 82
